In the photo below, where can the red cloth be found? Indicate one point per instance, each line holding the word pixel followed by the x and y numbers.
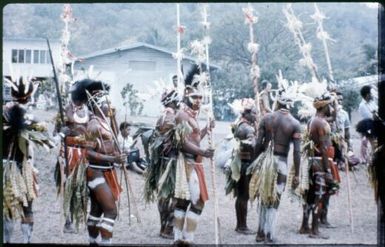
pixel 334 171
pixel 113 183
pixel 75 157
pixel 333 165
pixel 204 195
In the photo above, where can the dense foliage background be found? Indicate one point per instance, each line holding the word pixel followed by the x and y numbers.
pixel 352 26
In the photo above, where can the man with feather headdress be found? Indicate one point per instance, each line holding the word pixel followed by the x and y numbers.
pixel 101 175
pixel 276 131
pixel 20 133
pixel 245 133
pixel 160 177
pixel 323 178
pixel 190 185
pixel 74 130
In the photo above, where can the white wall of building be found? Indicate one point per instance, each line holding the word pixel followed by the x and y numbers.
pixel 140 67
pixel 40 69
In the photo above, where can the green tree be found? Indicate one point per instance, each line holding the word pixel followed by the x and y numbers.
pixel 351 98
pixel 130 98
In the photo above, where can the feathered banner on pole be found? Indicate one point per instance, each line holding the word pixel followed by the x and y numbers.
pixel 66 56
pixel 295 26
pixel 318 17
pixel 178 55
pixel 201 50
pixel 253 48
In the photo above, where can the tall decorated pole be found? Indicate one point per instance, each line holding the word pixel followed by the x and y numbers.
pixel 295 26
pixel 210 113
pixel 318 16
pixel 179 51
pixel 253 48
pixel 65 76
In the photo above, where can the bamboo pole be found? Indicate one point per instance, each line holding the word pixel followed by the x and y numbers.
pixel 210 117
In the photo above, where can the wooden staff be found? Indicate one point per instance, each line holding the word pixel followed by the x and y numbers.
pixel 121 177
pixel 128 184
pixel 61 112
pixel 349 188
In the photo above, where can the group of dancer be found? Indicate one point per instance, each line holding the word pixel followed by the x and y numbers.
pixel 175 179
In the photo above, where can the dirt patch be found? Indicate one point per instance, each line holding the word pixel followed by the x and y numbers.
pixel 48 220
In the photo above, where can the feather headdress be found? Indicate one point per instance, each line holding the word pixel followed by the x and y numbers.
pixel 22 88
pixel 241 105
pixel 195 79
pixel 79 88
pixel 305 93
pixel 14 118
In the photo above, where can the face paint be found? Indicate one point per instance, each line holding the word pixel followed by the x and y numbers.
pixel 195 101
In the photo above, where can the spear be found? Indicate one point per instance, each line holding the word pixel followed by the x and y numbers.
pixel 322 35
pixel 61 111
pixel 128 184
pixel 349 188
pixel 121 175
pixel 253 47
pixel 210 117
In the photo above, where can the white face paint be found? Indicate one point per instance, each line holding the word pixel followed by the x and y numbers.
pixel 196 101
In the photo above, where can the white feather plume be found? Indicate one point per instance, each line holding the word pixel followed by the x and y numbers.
pixel 178 55
pixel 252 47
pixel 282 82
pixel 324 35
pixel 318 15
pixel 306 48
pixel 239 105
pixel 11 84
pixel 206 40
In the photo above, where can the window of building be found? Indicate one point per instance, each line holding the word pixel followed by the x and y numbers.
pixel 142 65
pixel 21 56
pixel 48 58
pixel 35 56
pixel 28 56
pixel 14 56
pixel 43 56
